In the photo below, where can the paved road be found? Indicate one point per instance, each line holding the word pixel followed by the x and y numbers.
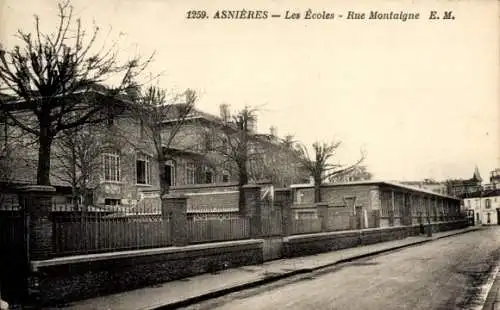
pixel 444 274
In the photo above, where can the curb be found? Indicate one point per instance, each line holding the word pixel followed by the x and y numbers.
pixel 229 290
pixel 267 280
pixel 492 301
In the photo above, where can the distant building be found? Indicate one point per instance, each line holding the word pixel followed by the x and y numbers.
pixel 359 173
pixel 494 180
pixel 486 206
pixel 429 185
pixel 463 188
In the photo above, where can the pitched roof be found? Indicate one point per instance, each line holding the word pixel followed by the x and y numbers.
pixel 16 104
pixel 377 182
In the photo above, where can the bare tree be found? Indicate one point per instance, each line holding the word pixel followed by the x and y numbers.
pixel 359 173
pixel 15 160
pixel 235 143
pixel 53 75
pixel 152 109
pixel 277 163
pixel 77 153
pixel 320 166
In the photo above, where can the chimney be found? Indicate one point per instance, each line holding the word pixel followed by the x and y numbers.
pixel 273 131
pixel 224 112
pixel 252 125
pixel 133 92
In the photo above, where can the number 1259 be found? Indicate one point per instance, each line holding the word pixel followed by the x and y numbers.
pixel 196 14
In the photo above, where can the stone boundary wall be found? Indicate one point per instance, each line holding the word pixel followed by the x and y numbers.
pixel 299 245
pixel 66 279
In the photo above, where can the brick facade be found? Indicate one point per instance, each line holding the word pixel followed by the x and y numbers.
pixel 391 204
pixel 202 138
pixel 191 162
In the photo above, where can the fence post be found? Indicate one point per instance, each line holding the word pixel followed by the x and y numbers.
pixel 322 208
pixel 174 207
pixel 287 218
pixel 253 209
pixel 36 201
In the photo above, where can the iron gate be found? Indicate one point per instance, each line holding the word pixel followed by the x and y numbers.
pixel 272 229
pixel 13 265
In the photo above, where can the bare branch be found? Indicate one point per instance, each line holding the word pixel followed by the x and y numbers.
pixel 46 71
pixel 320 167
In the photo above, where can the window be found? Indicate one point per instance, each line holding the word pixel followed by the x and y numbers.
pixel 143 169
pixel 488 203
pixel 111 166
pixel 386 206
pixel 225 176
pixel 112 202
pixel 170 173
pixel 252 149
pixel 208 175
pixel 225 145
pixel 209 141
pixel 110 121
pixel 190 173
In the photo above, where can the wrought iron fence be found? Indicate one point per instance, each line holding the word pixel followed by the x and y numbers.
pixel 211 227
pixel 107 229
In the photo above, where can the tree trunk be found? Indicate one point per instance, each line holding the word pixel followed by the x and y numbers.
pixel 74 194
pixel 74 176
pixel 164 187
pixel 87 199
pixel 162 158
pixel 242 181
pixel 44 148
pixel 317 191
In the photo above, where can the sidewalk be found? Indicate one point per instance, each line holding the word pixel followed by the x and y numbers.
pixel 187 291
pixel 492 301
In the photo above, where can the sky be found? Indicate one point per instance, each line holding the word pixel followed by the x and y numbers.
pixel 421 97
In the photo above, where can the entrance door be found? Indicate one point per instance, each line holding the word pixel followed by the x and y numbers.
pixel 498 216
pixel 470 217
pixel 488 218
